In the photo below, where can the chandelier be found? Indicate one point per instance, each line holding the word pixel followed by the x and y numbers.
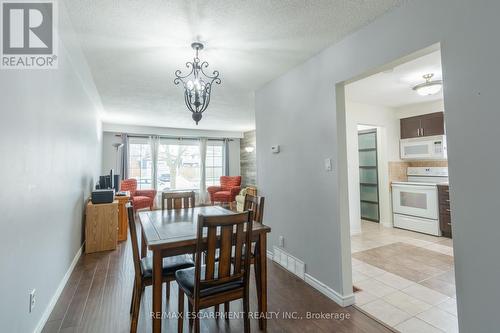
pixel 197 84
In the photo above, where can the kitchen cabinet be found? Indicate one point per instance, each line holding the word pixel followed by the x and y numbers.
pixel 424 125
pixel 444 210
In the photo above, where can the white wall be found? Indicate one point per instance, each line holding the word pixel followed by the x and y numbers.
pixel 384 119
pixel 420 109
pixel 299 111
pixel 50 146
pixel 109 152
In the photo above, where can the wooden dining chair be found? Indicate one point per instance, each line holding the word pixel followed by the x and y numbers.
pixel 256 205
pixel 144 270
pixel 177 200
pixel 219 281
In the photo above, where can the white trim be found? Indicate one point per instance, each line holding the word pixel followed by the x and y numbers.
pixel 62 284
pixel 270 255
pixel 329 292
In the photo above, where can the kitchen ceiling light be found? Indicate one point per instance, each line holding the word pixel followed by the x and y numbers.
pixel 428 87
pixel 197 84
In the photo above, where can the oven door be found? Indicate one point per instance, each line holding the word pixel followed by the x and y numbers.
pixel 415 200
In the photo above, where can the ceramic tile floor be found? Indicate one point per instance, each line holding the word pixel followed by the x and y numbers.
pixel 406 279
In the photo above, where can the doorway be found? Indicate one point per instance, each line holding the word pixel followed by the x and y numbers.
pixel 402 278
pixel 368 175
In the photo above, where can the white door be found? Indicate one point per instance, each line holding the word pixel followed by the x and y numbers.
pixel 415 200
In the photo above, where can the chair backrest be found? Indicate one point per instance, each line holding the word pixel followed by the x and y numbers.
pixel 228 182
pixel 223 232
pixel 135 244
pixel 129 185
pixel 177 200
pixel 256 205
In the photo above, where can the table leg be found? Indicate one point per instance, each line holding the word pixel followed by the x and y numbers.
pixel 157 291
pixel 262 283
pixel 144 249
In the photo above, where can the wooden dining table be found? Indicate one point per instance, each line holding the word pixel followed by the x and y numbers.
pixel 173 232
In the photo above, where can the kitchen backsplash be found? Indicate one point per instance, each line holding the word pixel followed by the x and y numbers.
pixel 397 170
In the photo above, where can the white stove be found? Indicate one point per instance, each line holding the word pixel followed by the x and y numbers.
pixel 415 202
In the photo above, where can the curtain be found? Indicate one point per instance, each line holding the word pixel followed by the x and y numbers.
pixel 123 157
pixel 154 142
pixel 203 197
pixel 226 157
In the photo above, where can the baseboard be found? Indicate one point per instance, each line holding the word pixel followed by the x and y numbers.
pixel 62 284
pixel 329 292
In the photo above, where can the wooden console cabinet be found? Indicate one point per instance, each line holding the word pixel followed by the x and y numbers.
pixel 101 227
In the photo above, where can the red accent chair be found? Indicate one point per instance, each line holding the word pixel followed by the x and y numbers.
pixel 139 198
pixel 227 191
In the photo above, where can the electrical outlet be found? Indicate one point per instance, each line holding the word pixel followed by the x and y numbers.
pixel 282 241
pixel 32 299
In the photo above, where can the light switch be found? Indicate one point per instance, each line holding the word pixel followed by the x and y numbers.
pixel 328 164
pixel 275 149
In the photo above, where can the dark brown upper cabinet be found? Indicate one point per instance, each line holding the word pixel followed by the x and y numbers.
pixel 424 125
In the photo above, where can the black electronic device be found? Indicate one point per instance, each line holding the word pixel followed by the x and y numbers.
pixel 102 196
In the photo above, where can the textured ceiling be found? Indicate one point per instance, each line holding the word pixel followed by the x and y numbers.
pixel 393 88
pixel 133 48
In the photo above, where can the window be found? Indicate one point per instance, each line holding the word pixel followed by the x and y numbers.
pixel 178 165
pixel 214 166
pixel 140 163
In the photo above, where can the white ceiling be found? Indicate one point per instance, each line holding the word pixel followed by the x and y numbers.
pixel 393 88
pixel 134 47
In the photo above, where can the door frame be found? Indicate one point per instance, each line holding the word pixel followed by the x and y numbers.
pixel 342 167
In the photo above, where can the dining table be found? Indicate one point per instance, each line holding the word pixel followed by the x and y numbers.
pixel 173 232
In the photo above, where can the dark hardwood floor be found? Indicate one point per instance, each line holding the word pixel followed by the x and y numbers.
pixel 97 298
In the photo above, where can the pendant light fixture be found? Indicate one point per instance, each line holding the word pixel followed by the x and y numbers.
pixel 197 84
pixel 428 87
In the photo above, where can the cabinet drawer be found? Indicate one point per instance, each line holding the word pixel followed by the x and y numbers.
pixel 445 220
pixel 445 225
pixel 445 209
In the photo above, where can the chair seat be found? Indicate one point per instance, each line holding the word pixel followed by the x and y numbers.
pixel 222 195
pixel 185 280
pixel 170 265
pixel 139 199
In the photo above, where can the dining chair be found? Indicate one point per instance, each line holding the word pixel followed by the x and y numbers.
pixel 221 281
pixel 177 200
pixel 256 205
pixel 144 270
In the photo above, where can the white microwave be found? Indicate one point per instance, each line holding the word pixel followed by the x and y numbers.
pixel 424 148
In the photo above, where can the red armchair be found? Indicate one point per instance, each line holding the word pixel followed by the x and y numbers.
pixel 140 198
pixel 227 191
